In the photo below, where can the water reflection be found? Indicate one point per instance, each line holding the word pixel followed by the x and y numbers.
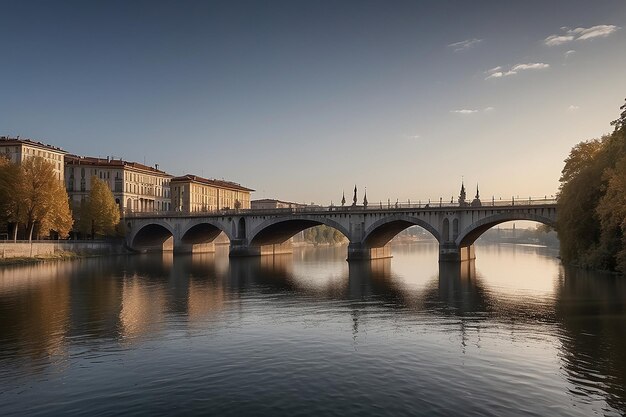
pixel 48 311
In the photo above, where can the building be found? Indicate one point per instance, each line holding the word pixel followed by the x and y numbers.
pixel 269 203
pixel 17 150
pixel 136 187
pixel 191 193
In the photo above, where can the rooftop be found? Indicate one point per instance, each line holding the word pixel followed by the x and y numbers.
pixel 6 140
pixel 212 182
pixel 110 162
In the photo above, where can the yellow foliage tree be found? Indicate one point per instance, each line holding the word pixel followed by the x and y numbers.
pixel 100 214
pixel 42 199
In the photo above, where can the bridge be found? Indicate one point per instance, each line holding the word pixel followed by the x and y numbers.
pixel 368 229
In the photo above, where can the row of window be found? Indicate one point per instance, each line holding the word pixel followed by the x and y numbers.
pixel 34 152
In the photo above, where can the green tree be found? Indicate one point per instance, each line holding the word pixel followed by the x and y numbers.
pixel 42 199
pixel 99 214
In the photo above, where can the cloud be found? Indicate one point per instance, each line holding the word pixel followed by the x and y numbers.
pixel 555 40
pixel 533 66
pixel 573 107
pixel 570 52
pixel 472 111
pixel 498 72
pixel 415 137
pixel 580 34
pixel 464 111
pixel 464 45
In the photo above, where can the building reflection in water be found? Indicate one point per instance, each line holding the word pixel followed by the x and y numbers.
pixel 47 309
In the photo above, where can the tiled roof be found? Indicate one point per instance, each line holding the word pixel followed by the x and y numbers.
pixel 5 140
pixel 214 183
pixel 92 161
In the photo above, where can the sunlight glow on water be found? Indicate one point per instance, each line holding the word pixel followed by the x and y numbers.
pixel 311 334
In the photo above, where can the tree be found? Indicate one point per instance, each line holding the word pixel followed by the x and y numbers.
pixel 100 214
pixel 592 202
pixel 9 181
pixel 42 199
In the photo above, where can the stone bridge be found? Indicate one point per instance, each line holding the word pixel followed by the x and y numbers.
pixel 368 230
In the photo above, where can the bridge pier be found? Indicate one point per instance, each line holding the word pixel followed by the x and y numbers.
pixel 194 247
pixel 450 252
pixel 360 252
pixel 240 248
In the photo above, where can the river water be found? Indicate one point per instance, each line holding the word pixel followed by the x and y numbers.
pixel 310 334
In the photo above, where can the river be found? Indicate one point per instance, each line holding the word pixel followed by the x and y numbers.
pixel 310 334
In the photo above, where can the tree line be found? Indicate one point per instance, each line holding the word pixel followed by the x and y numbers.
pixel 34 201
pixel 592 202
pixel 323 234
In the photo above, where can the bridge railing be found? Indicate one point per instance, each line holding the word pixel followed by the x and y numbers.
pixel 380 206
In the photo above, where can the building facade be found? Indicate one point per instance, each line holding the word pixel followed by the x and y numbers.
pixel 136 187
pixel 269 203
pixel 17 150
pixel 191 193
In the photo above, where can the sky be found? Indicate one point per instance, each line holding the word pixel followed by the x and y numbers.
pixel 301 100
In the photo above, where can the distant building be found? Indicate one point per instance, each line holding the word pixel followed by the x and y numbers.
pixel 136 187
pixel 268 203
pixel 191 193
pixel 17 150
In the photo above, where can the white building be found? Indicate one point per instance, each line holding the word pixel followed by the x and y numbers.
pixel 136 187
pixel 17 150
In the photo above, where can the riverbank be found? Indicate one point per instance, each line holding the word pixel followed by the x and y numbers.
pixel 37 251
pixel 27 260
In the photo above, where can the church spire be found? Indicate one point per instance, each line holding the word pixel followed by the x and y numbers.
pixel 343 198
pixel 462 194
pixel 477 194
pixel 354 198
pixel 365 198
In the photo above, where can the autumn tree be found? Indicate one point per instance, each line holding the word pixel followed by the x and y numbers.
pixel 41 199
pixel 592 202
pixel 99 214
pixel 9 181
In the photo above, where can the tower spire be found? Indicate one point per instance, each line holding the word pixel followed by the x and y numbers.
pixel 365 198
pixel 462 194
pixel 343 198
pixel 354 198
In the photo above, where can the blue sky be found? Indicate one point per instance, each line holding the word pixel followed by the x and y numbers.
pixel 301 100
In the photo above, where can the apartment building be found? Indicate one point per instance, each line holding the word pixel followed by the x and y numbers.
pixel 17 150
pixel 191 193
pixel 136 187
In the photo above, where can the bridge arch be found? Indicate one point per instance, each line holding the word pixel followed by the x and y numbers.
pixel 203 231
pixel 278 230
pixel 385 229
pixel 153 235
pixel 469 235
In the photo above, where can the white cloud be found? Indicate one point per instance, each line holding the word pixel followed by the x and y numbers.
pixel 555 40
pixel 570 52
pixel 533 66
pixel 464 111
pixel 573 107
pixel 464 45
pixel 600 31
pixel 498 73
pixel 413 137
pixel 580 34
pixel 472 111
